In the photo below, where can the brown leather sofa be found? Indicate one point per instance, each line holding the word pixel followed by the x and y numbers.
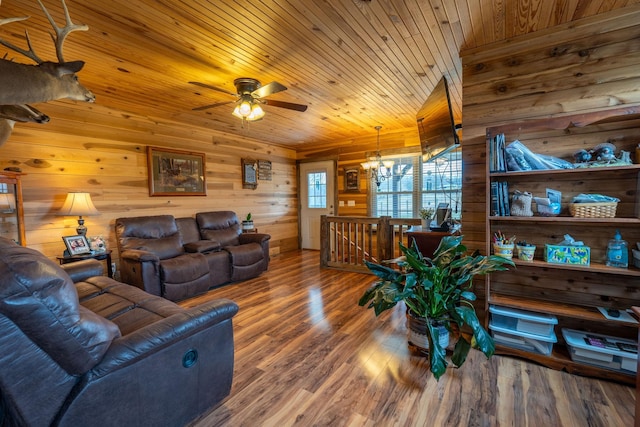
pixel 180 258
pixel 98 352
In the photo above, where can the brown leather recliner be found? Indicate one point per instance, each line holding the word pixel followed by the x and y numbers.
pixel 99 352
pixel 249 252
pixel 152 257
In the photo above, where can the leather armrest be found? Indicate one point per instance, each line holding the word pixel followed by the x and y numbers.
pixel 202 246
pixel 139 255
pixel 253 238
pixel 82 270
pixel 145 341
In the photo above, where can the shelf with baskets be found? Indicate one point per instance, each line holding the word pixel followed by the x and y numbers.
pixel 570 292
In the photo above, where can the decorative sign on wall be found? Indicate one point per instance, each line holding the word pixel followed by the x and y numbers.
pixel 264 170
pixel 352 179
pixel 249 174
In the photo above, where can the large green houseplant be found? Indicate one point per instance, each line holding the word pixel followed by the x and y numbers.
pixel 437 289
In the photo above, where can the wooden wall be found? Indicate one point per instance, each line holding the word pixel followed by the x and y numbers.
pixel 350 153
pixel 87 147
pixel 588 65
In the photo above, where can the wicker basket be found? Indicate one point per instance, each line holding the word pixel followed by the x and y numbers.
pixel 593 210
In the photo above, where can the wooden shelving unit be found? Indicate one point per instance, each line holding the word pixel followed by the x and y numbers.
pixel 12 216
pixel 572 293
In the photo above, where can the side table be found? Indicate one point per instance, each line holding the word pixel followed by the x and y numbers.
pixel 100 256
pixel 427 241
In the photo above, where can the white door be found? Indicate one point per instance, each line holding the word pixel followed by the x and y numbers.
pixel 317 196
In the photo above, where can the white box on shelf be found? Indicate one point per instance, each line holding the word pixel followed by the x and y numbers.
pixel 522 340
pixel 604 351
pixel 519 320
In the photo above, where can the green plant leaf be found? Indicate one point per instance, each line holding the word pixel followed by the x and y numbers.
pixel 382 271
pixel 436 352
pixel 484 342
pixel 460 352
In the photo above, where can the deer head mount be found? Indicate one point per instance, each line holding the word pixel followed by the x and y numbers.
pixel 22 84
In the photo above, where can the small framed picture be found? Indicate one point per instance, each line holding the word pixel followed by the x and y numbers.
pixel 77 245
pixel 352 180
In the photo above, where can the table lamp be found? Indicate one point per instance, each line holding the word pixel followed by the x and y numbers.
pixel 79 204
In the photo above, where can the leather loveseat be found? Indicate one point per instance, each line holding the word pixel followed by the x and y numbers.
pixel 98 352
pixel 180 258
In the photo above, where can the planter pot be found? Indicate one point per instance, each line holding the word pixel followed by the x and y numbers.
pixel 425 224
pixel 247 225
pixel 417 329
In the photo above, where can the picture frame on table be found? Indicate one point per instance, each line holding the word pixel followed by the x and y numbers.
pixel 77 245
pixel 176 172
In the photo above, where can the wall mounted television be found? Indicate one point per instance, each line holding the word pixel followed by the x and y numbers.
pixel 436 126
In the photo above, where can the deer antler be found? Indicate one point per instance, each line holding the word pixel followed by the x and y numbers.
pixel 28 53
pixel 61 32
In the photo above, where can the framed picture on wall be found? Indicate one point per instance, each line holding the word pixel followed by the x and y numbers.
pixel 352 179
pixel 249 174
pixel 176 172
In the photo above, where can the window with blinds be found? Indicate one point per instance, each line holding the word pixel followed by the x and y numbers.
pixel 415 184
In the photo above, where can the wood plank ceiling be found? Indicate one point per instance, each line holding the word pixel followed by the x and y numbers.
pixel 355 63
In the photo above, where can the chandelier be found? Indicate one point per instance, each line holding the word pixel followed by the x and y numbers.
pixel 377 169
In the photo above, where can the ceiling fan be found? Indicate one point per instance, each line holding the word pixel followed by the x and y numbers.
pixel 249 95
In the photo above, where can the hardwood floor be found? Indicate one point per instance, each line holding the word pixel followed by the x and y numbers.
pixel 306 354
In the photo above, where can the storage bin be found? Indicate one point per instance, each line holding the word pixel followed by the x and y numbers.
pixel 522 340
pixel 604 351
pixel 593 210
pixel 514 319
pixel 523 330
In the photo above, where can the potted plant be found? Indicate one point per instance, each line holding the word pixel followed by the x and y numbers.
pixel 247 223
pixel 426 215
pixel 438 295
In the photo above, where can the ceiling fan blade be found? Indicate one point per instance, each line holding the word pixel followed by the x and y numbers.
pixel 268 89
pixel 287 105
pixel 217 104
pixel 213 88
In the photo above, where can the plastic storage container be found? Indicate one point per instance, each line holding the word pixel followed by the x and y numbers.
pixel 523 330
pixel 603 351
pixel 522 340
pixel 518 320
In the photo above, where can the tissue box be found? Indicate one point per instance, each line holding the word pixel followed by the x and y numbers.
pixel 576 255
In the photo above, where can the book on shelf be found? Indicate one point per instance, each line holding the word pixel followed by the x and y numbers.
pixel 495 203
pixel 497 161
pixel 505 198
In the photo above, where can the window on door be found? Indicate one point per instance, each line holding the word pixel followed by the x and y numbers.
pixel 317 190
pixel 415 184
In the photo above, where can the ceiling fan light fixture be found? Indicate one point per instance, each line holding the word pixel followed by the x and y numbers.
pixel 236 112
pixel 256 113
pixel 245 108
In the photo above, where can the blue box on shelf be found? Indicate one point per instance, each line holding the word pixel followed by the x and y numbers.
pixel 575 255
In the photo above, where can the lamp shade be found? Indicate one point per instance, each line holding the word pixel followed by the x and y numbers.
pixel 78 204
